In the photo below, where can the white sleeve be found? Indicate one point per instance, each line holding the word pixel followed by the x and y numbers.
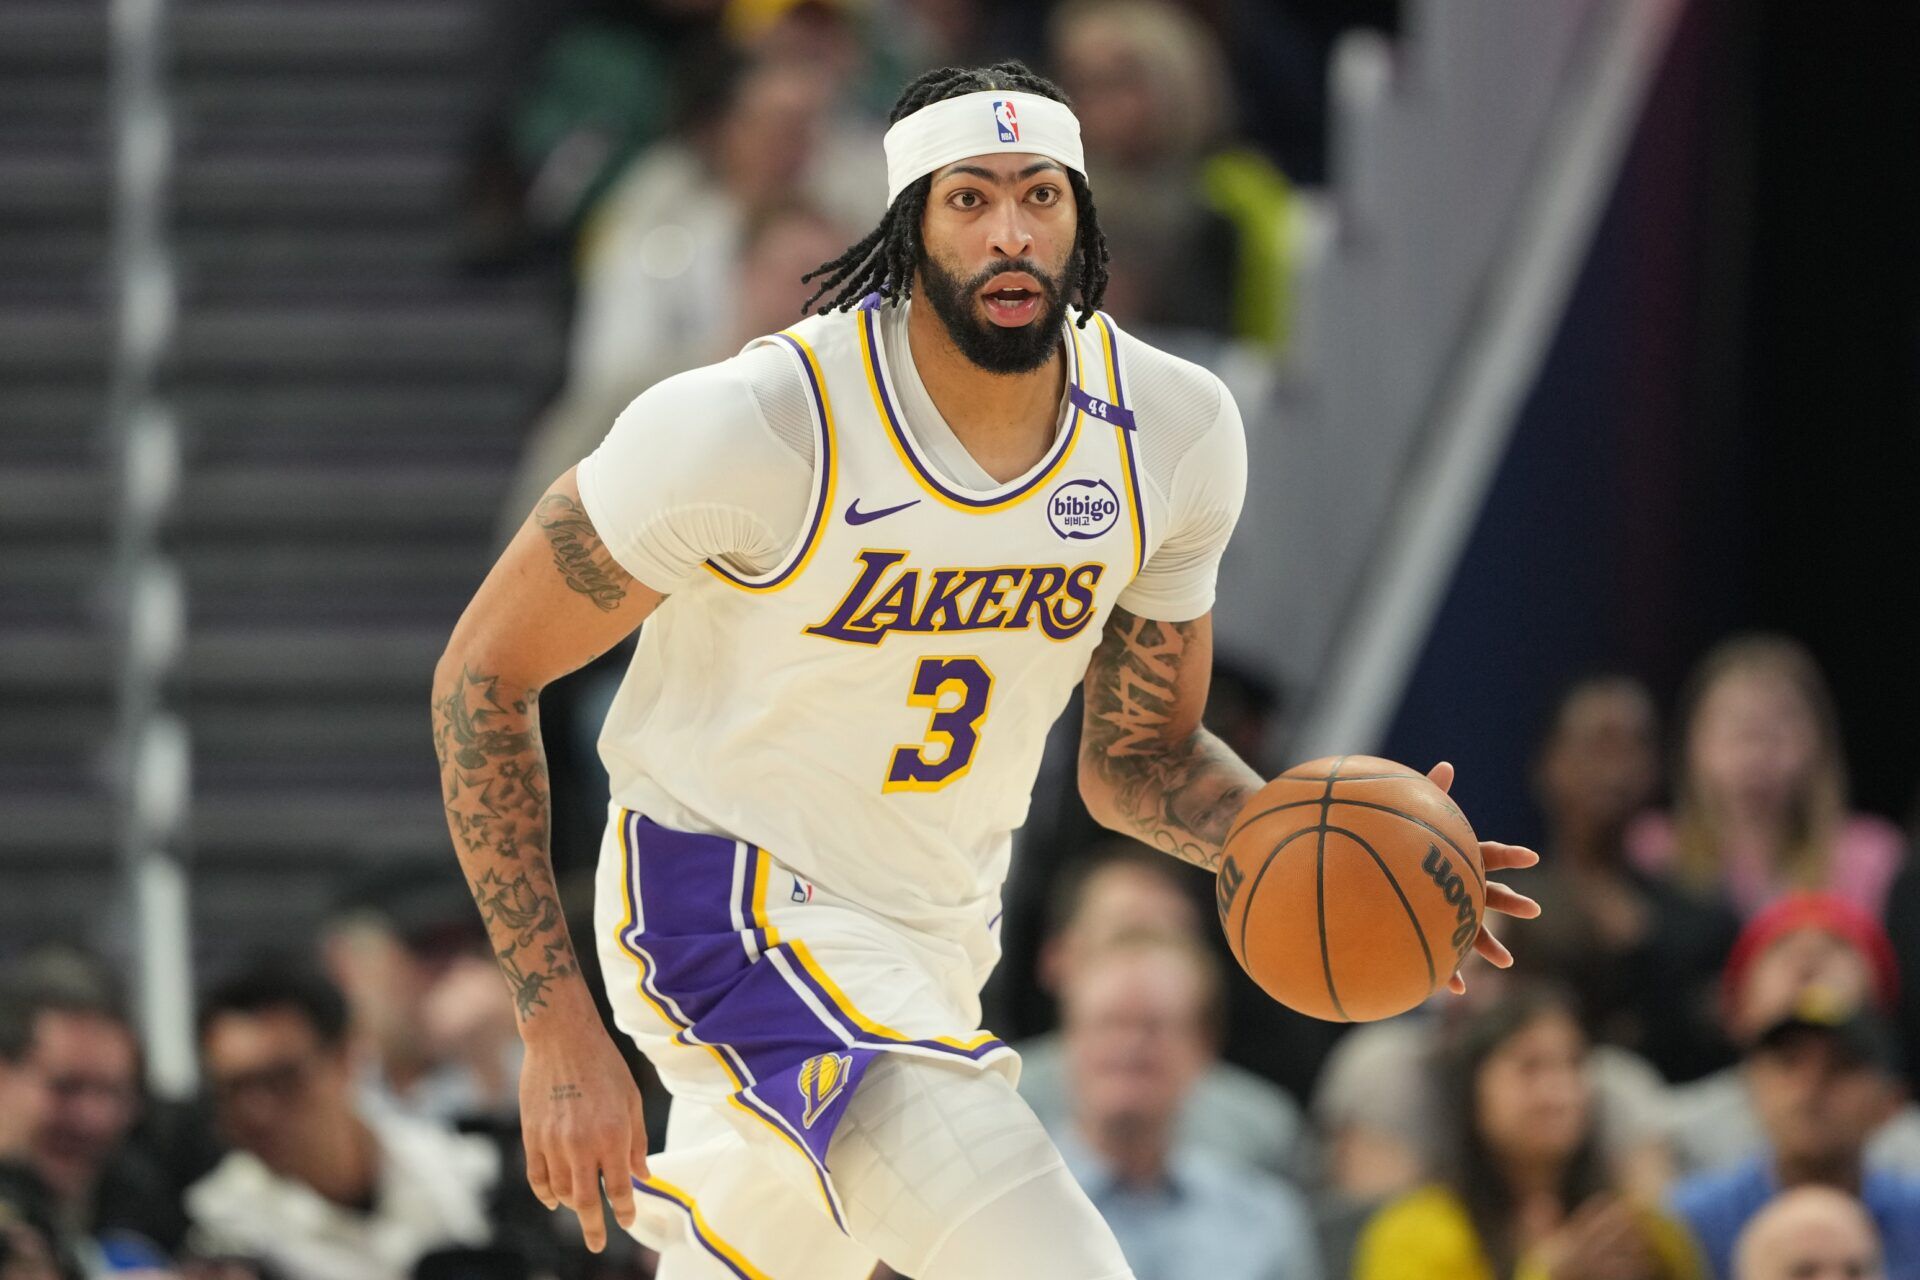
pixel 691 472
pixel 1209 484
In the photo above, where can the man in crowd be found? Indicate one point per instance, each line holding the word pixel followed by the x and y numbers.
pixel 318 1187
pixel 69 1097
pixel 1822 1080
pixel 1124 888
pixel 1804 944
pixel 1142 1020
pixel 1811 1233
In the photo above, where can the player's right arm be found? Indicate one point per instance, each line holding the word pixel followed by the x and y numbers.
pixel 555 601
pixel 693 471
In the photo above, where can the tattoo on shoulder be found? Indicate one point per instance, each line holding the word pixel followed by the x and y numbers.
pixel 579 554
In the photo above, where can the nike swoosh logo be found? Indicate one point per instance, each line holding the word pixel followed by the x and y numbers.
pixel 857 516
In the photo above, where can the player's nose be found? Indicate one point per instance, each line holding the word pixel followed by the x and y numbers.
pixel 1009 230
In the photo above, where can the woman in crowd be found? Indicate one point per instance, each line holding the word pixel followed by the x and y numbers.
pixel 1760 804
pixel 1641 954
pixel 1524 1191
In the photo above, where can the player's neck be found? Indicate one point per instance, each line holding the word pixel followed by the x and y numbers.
pixel 1005 421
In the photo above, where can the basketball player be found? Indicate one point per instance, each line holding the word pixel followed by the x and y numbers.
pixel 874 552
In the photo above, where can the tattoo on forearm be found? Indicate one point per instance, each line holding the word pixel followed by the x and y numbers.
pixel 1176 791
pixel 579 554
pixel 493 778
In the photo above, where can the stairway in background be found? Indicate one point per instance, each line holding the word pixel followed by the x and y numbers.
pixel 56 687
pixel 350 405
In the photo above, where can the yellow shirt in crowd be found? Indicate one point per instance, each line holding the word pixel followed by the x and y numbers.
pixel 1427 1235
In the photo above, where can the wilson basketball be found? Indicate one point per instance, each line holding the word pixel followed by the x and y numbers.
pixel 1351 888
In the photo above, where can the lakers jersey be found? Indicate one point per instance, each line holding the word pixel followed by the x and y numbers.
pixel 871 706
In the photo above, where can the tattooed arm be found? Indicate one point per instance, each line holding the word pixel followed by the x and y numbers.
pixel 1147 768
pixel 555 601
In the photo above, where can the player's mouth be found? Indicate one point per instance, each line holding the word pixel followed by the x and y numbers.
pixel 1012 300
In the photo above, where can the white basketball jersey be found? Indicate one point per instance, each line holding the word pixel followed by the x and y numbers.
pixel 872 710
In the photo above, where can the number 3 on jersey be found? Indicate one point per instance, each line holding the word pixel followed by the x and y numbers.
pixel 957 691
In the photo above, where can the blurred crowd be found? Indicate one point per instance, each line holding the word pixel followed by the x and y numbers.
pixel 1698 1068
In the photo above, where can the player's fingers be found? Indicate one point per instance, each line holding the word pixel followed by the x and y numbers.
pixel 637 1147
pixel 1457 984
pixel 620 1186
pixel 1495 856
pixel 1507 902
pixel 1492 951
pixel 1441 775
pixel 560 1178
pixel 537 1178
pixel 585 1203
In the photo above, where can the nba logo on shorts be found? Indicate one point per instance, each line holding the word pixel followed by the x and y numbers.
pixel 1008 123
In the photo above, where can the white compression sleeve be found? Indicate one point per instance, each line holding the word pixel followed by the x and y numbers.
pixel 947 1174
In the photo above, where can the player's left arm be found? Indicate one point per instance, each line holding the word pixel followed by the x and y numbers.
pixel 1148 769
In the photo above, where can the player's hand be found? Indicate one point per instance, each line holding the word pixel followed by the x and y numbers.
pixel 1494 856
pixel 581 1121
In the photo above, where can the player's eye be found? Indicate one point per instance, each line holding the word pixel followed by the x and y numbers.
pixel 964 199
pixel 1046 195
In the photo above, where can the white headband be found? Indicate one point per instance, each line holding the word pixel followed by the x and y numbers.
pixel 990 122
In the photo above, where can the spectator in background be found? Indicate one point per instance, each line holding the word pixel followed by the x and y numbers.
pixel 658 259
pixel 1203 233
pixel 1523 1189
pixel 1903 928
pixel 1823 1079
pixel 29 1248
pixel 1142 1021
pixel 1382 1111
pixel 1125 889
pixel 1640 956
pixel 569 91
pixel 777 244
pixel 1811 1233
pixel 316 1186
pixel 70 1094
pixel 1804 946
pixel 1760 804
pixel 403 947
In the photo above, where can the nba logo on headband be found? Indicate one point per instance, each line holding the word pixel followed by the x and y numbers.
pixel 1009 123
pixel 956 128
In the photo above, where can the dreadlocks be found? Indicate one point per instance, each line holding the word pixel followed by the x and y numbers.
pixel 885 259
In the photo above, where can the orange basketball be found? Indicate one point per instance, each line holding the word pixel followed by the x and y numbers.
pixel 1351 888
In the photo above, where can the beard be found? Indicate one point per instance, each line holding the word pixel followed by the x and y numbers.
pixel 998 348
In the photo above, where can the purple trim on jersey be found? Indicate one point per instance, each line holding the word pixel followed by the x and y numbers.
pixel 900 433
pixel 1112 342
pixel 1106 411
pixel 820 499
pixel 871 301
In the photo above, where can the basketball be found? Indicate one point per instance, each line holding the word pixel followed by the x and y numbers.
pixel 1351 888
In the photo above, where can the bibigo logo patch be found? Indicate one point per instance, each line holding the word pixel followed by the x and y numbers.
pixel 1083 508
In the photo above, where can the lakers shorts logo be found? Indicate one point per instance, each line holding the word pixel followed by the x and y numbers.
pixel 821 1079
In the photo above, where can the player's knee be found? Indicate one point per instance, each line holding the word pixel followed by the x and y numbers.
pixel 927 1150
